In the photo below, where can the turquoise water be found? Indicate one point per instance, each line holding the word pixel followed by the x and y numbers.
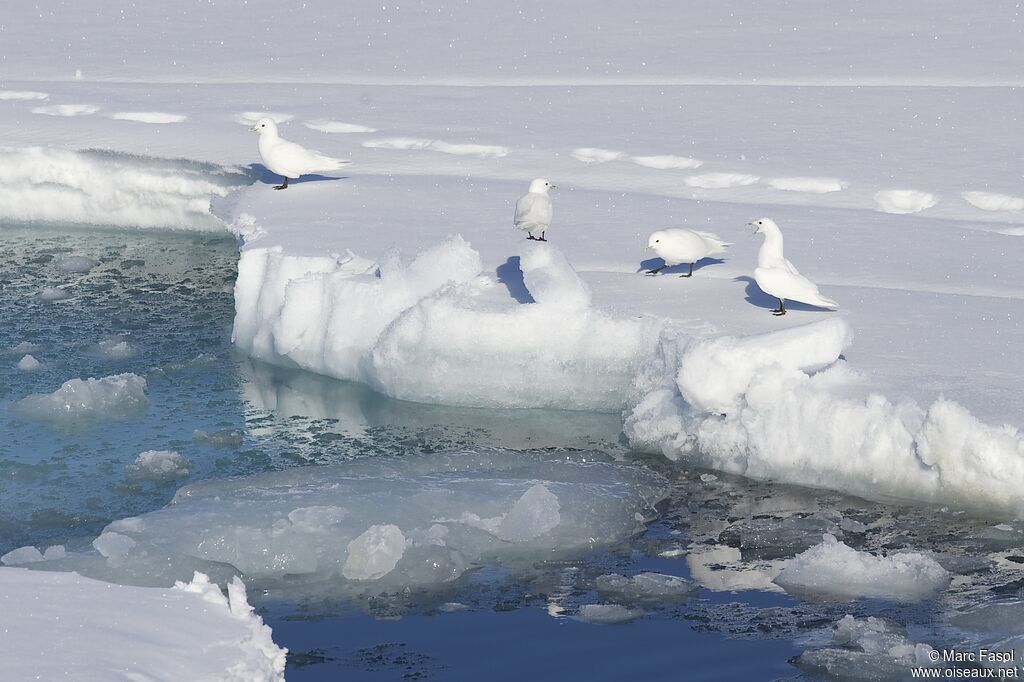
pixel 160 306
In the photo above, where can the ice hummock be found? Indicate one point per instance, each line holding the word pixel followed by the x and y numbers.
pixel 386 522
pixel 114 397
pixel 427 330
pixel 835 570
pixel 50 625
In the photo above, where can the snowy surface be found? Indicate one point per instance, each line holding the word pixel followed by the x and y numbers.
pixel 62 625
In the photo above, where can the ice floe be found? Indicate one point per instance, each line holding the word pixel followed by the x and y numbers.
pixel 87 400
pixel 837 571
pixel 383 522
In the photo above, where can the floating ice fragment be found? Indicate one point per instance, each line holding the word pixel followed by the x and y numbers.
pixel 375 553
pixel 114 397
pixel 607 614
pixel 159 465
pixel 834 570
pixel 28 363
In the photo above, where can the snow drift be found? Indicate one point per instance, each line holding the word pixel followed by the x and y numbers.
pixel 108 188
pixel 50 623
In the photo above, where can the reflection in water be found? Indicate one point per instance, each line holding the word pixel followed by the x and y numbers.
pixel 353 411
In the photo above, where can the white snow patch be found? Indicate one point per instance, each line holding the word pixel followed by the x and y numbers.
pixel 902 201
pixel 326 125
pixel 807 184
pixel 28 363
pixel 159 465
pixel 22 95
pixel 249 118
pixel 110 398
pixel 834 570
pixel 148 117
pixel 108 188
pixel 459 149
pixel 66 110
pixel 1013 232
pixel 596 155
pixel 667 162
pixel 721 180
pixel 989 201
pixel 50 620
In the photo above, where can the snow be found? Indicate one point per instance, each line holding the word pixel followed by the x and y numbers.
pixel 804 184
pixel 836 571
pixel 156 117
pixel 990 201
pixel 902 201
pixel 116 349
pixel 159 465
pixel 667 162
pixel 31 555
pixel 326 125
pixel 596 155
pixel 108 188
pixel 409 521
pixel 49 620
pixel 721 180
pixel 67 110
pixel 78 401
pixel 457 148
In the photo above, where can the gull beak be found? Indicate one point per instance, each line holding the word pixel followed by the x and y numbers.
pixel 554 186
pixel 754 225
pixel 253 129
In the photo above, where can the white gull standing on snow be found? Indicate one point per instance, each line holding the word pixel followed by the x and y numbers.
pixel 287 158
pixel 679 245
pixel 778 277
pixel 533 210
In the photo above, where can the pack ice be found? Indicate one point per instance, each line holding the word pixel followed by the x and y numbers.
pixel 384 522
pixel 782 405
pixel 50 630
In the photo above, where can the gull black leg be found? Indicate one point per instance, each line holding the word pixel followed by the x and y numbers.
pixel 655 271
pixel 781 309
pixel 542 239
pixel 690 273
pixel 282 186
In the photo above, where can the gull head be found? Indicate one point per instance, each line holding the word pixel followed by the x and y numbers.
pixel 541 186
pixel 763 225
pixel 265 126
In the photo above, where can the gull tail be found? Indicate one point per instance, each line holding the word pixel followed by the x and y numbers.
pixel 823 301
pixel 714 242
pixel 327 163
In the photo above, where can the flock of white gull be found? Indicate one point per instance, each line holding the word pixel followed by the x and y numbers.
pixel 774 274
